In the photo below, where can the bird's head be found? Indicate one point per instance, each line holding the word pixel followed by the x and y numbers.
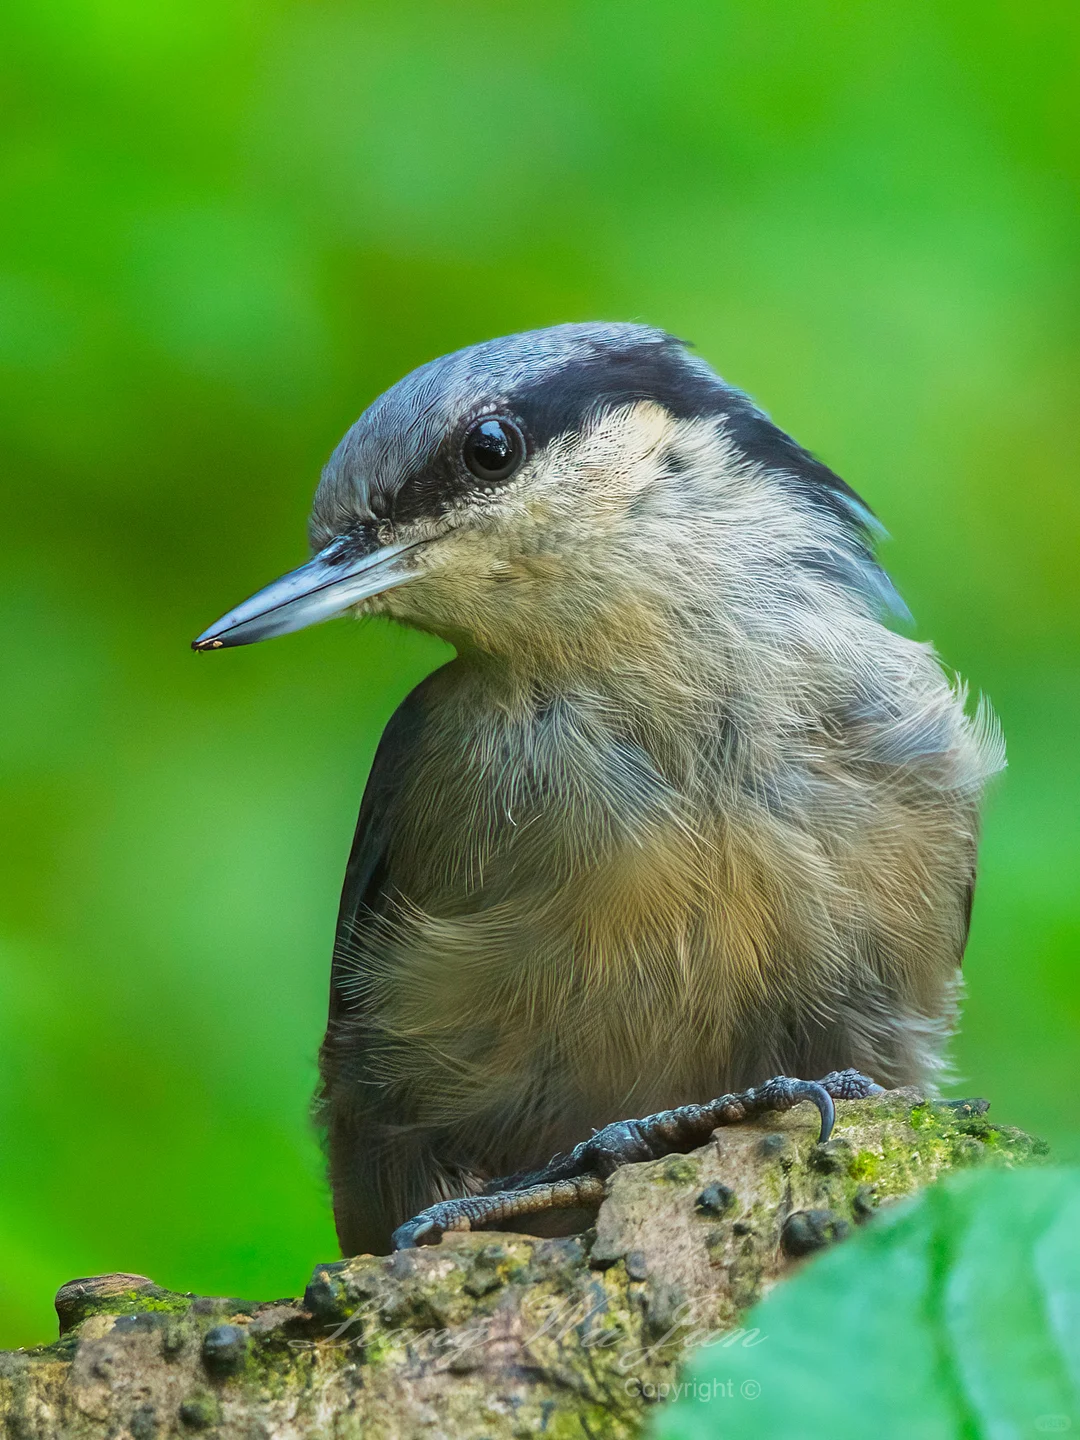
pixel 545 492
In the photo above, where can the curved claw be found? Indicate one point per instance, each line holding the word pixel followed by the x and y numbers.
pixel 422 1229
pixel 812 1090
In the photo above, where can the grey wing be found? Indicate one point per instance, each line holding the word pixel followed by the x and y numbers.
pixel 365 890
pixel 367 887
pixel 374 1167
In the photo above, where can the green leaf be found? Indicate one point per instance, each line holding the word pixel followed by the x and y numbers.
pixel 955 1315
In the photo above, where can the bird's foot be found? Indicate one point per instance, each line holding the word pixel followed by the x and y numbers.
pixel 576 1180
pixel 479 1212
pixel 689 1126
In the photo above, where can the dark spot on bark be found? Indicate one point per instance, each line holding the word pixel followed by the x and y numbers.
pixel 224 1348
pixel 636 1266
pixel 143 1423
pixel 172 1338
pixel 863 1203
pixel 716 1199
pixel 833 1158
pixel 199 1412
pixel 325 1294
pixel 808 1230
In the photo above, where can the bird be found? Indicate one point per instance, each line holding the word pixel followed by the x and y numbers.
pixel 690 814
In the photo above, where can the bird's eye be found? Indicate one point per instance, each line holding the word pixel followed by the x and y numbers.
pixel 493 450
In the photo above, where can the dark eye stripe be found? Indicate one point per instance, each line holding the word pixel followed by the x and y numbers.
pixel 559 399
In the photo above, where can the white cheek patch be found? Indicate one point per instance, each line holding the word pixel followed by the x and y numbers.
pixel 705 446
pixel 621 452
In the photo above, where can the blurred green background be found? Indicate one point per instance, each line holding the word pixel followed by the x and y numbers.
pixel 226 226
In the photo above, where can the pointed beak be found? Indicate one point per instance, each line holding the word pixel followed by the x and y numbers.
pixel 338 577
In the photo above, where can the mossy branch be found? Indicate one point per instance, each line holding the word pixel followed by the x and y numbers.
pixel 490 1334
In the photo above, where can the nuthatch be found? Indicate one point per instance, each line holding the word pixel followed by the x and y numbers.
pixel 683 813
